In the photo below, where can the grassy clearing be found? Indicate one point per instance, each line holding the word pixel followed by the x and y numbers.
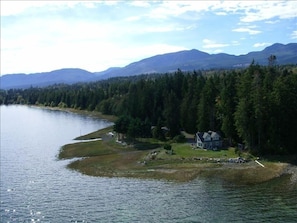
pixel 84 149
pixel 185 150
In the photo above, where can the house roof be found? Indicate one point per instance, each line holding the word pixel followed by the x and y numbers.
pixel 204 135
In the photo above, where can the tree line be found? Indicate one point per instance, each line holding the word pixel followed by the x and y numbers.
pixel 256 106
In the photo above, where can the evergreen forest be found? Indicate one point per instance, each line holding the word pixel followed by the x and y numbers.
pixel 255 106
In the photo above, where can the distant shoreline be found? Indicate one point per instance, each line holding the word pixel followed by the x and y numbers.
pixel 110 118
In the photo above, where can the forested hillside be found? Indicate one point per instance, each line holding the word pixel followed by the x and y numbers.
pixel 256 106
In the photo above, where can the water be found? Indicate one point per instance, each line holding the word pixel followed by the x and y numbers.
pixel 36 187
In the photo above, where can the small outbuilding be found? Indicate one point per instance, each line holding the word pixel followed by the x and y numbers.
pixel 208 140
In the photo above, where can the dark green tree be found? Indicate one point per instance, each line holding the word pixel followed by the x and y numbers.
pixel 206 107
pixel 271 60
pixel 121 125
pixel 171 114
pixel 226 104
pixel 244 114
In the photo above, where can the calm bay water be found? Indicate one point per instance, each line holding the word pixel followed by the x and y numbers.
pixel 36 187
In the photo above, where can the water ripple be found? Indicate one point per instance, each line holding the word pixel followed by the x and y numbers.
pixel 35 187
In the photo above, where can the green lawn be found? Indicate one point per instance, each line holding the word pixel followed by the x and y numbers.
pixel 83 149
pixel 107 146
pixel 185 150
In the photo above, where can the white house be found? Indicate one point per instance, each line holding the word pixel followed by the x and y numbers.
pixel 208 140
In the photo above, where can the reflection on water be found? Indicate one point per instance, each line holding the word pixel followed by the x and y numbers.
pixel 36 187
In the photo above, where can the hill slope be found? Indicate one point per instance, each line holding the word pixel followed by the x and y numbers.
pixel 195 60
pixel 66 76
pixel 184 60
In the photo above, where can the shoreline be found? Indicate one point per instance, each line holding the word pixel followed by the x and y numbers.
pixel 175 170
pixel 110 118
pixel 107 158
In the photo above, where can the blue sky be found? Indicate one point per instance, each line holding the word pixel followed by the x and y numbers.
pixel 40 36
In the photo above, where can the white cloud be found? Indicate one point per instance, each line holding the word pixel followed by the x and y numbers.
pixel 167 28
pixel 109 2
pixel 294 35
pixel 248 30
pixel 250 11
pixel 221 13
pixel 132 18
pixel 268 10
pixel 17 7
pixel 160 29
pixel 152 49
pixel 177 8
pixel 261 44
pixel 235 43
pixel 144 4
pixel 9 8
pixel 65 56
pixel 210 44
pixel 217 51
pixel 272 21
pixel 95 35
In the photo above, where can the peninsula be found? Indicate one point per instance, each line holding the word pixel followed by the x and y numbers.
pixel 102 155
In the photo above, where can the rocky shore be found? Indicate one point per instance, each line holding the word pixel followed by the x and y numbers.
pixel 292 171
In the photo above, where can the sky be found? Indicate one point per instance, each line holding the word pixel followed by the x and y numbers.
pixel 41 36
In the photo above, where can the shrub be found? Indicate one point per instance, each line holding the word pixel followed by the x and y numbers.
pixel 179 139
pixel 167 147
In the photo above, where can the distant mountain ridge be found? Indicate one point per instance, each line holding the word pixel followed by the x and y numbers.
pixel 187 60
pixel 65 75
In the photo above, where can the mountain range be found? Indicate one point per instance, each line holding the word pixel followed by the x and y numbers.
pixel 187 60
